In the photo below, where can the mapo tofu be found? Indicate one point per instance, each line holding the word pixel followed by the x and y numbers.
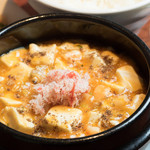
pixel 67 89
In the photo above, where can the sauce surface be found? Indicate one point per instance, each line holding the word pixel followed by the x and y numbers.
pixel 67 89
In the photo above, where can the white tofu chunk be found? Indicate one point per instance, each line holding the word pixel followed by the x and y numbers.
pixel 119 101
pixel 74 55
pixel 92 130
pixel 114 122
pixel 129 78
pixel 44 56
pixel 71 46
pixel 97 61
pixel 63 118
pixel 21 71
pixel 2 89
pixel 67 46
pixel 137 100
pixel 111 57
pixel 34 48
pixel 59 64
pixel 9 102
pixel 71 52
pixel 101 92
pixel 94 58
pixel 115 87
pixel 9 59
pixel 17 121
pixel 1 79
pixel 44 60
pixel 94 117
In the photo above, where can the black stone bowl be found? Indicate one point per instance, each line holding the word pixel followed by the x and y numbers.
pixel 131 133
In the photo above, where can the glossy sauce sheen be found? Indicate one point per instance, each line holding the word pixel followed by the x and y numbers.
pixel 68 89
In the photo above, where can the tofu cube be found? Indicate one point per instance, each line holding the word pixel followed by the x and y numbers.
pixel 44 55
pixel 17 121
pixel 129 78
pixel 115 87
pixel 66 46
pixel 9 102
pixel 59 64
pixel 119 101
pixel 34 48
pixel 74 55
pixel 114 122
pixel 2 79
pixel 21 71
pixel 63 118
pixel 92 130
pixel 94 117
pixel 9 59
pixel 94 58
pixel 137 100
pixel 98 61
pixel 71 46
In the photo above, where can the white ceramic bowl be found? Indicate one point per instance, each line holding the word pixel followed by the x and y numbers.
pixel 131 16
pixel 77 6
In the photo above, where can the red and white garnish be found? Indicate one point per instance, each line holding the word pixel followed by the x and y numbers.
pixel 60 87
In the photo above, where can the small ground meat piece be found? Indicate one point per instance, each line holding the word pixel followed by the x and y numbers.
pixel 60 87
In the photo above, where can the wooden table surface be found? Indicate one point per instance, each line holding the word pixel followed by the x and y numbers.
pixel 144 33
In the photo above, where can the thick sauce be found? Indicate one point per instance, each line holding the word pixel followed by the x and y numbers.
pixel 67 90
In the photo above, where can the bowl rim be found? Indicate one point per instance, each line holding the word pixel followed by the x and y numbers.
pixel 96 20
pixel 61 7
